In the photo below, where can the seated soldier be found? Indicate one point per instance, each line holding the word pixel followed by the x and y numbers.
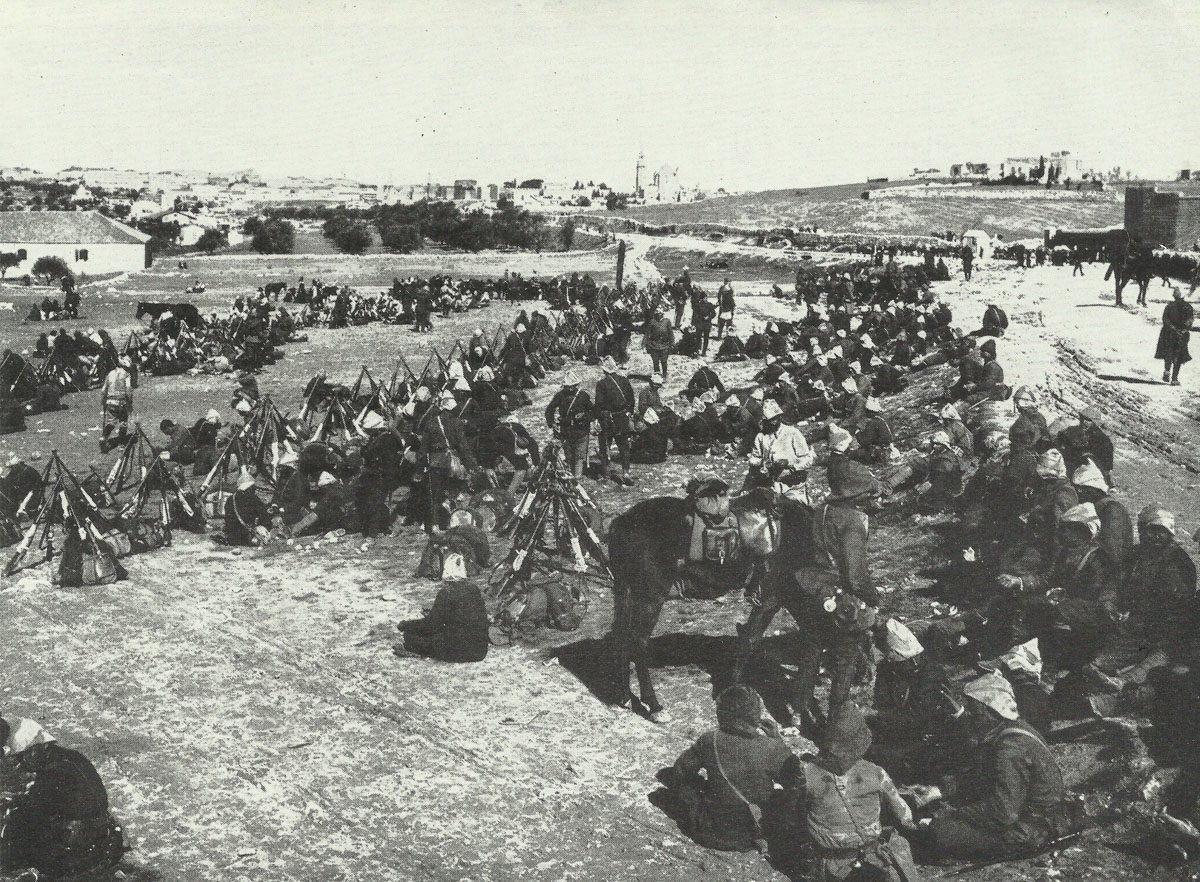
pixel 874 435
pixel 704 380
pixel 771 372
pixel 247 517
pixel 780 457
pixel 181 446
pixel 333 506
pixel 743 759
pixel 698 432
pixel 649 446
pixel 18 481
pixel 456 628
pixel 731 349
pixel 295 503
pixel 57 822
pixel 843 796
pixel 940 473
pixel 1019 803
pixel 205 432
pixel 956 430
pixel 1072 607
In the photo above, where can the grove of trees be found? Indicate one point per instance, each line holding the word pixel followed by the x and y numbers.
pixel 349 235
pixel 271 235
pixel 404 228
pixel 212 240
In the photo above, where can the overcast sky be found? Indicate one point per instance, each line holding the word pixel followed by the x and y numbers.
pixel 750 94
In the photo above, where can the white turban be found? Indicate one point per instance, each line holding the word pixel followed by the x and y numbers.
pixel 902 644
pixel 839 439
pixel 1088 475
pixel 1051 465
pixel 994 691
pixel 1084 513
pixel 1154 516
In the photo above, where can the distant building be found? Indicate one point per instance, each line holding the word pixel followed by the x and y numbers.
pixel 1164 219
pixel 467 189
pixel 1060 164
pixel 19 173
pixel 88 242
pixel 112 178
pixel 970 170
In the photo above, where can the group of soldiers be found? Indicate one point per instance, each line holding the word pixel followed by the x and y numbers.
pixel 1049 573
pixel 1065 602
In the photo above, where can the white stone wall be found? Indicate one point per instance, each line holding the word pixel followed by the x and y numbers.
pixel 100 258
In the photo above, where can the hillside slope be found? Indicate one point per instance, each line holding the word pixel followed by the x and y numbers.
pixel 1014 213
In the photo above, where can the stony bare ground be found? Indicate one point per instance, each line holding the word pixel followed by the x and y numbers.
pixel 252 723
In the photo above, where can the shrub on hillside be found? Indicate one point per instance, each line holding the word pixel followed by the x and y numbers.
pixel 8 259
pixel 50 268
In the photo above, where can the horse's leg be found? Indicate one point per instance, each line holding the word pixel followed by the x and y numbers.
pixel 750 633
pixel 621 637
pixel 641 629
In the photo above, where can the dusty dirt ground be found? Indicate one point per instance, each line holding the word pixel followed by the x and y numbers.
pixel 251 722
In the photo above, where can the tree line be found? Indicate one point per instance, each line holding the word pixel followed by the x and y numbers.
pixel 402 228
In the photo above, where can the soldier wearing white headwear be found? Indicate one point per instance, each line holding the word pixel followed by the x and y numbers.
pixel 569 416
pixel 1073 606
pixel 1020 803
pixel 614 402
pixel 448 458
pixel 58 825
pixel 780 456
pixel 116 405
pixel 1160 585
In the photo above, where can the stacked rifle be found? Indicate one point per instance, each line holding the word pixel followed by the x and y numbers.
pixel 554 503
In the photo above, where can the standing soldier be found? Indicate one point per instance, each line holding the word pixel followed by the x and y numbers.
pixel 725 307
pixel 1173 338
pixel 448 458
pixel 703 313
pixel 968 259
pixel 569 416
pixel 615 402
pixel 658 337
pixel 679 298
pixel 116 405
pixel 840 600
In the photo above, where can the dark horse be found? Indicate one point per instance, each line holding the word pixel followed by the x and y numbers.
pixel 645 544
pixel 183 311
